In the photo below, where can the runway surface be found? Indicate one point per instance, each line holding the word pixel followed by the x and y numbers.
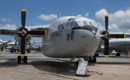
pixel 40 67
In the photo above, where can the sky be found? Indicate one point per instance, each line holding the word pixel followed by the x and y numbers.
pixel 44 12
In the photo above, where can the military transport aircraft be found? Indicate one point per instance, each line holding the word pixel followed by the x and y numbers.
pixel 67 37
pixel 3 44
pixel 118 45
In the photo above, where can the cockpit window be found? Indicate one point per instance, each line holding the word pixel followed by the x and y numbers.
pixel 67 24
pixel 86 23
pixel 92 23
pixel 80 23
pixel 75 24
pixel 71 24
pixel 60 27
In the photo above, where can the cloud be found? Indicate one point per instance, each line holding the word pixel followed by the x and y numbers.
pixel 8 26
pixel 100 27
pixel 6 19
pixel 47 17
pixel 119 21
pixel 100 14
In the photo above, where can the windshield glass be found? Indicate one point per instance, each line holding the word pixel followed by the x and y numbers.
pixel 71 24
pixel 80 23
pixel 75 24
pixel 86 23
pixel 93 23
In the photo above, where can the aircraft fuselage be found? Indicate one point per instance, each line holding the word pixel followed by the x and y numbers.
pixel 71 42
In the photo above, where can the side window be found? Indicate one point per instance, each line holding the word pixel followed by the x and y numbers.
pixel 67 25
pixel 71 24
pixel 60 27
pixel 75 24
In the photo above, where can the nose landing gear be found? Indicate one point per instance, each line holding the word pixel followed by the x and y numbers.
pixel 22 58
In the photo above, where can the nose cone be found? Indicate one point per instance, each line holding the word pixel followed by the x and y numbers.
pixel 89 41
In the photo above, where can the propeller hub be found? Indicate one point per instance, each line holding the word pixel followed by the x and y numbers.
pixel 106 35
pixel 22 32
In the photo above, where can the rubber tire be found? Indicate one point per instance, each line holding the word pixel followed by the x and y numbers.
pixel 76 65
pixel 19 59
pixel 97 55
pixel 117 54
pixel 90 60
pixel 94 59
pixel 25 59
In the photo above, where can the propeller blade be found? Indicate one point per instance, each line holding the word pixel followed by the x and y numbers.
pixel 106 23
pixel 117 36
pixel 106 44
pixel 106 48
pixel 22 45
pixel 8 32
pixel 23 17
pixel 37 32
pixel 23 30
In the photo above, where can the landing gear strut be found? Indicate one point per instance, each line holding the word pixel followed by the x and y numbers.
pixel 97 55
pixel 76 65
pixel 22 58
pixel 91 59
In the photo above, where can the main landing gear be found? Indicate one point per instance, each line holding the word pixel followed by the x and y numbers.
pixel 22 58
pixel 90 59
pixel 118 54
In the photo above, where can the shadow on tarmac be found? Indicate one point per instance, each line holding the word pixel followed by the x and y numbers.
pixel 60 69
pixel 9 63
pixel 53 66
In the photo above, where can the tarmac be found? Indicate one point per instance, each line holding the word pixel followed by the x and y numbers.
pixel 40 67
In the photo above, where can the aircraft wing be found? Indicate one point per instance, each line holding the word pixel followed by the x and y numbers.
pixel 116 35
pixel 119 35
pixel 38 42
pixel 11 32
pixel 38 28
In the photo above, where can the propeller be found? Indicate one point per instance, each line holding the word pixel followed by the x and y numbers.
pixel 105 36
pixel 106 39
pixel 22 31
pixel 8 32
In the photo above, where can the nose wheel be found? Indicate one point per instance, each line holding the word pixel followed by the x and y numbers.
pixel 22 59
